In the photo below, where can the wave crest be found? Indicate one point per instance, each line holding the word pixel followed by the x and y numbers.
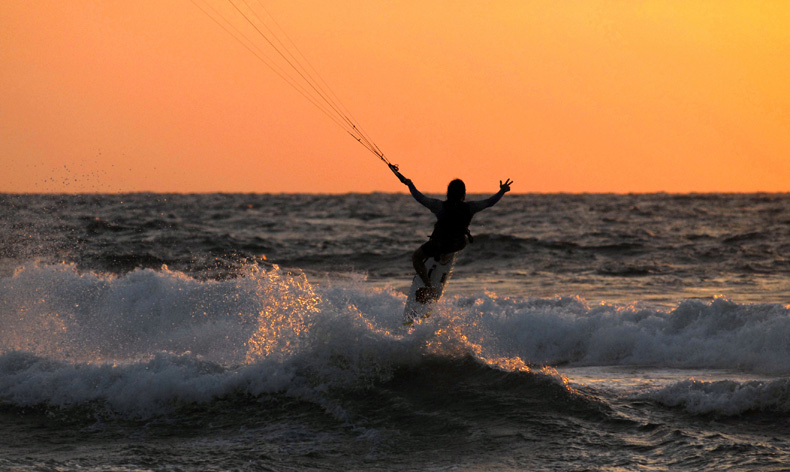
pixel 725 397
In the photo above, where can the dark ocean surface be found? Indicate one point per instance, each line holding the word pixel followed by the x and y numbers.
pixel 264 332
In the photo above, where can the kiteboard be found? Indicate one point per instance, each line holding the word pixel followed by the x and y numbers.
pixel 421 302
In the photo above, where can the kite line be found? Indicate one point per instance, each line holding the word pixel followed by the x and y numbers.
pixel 251 24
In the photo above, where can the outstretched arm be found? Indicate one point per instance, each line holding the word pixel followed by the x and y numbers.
pixel 400 176
pixel 481 205
pixel 431 203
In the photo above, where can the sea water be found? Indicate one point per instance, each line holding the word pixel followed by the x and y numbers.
pixel 264 332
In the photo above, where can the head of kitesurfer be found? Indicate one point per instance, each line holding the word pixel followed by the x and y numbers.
pixel 451 231
pixel 456 190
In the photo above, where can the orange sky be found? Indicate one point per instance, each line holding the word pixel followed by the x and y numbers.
pixel 572 96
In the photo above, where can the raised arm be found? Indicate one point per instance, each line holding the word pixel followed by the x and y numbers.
pixel 481 205
pixel 430 203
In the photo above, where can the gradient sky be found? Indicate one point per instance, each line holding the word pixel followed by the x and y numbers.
pixel 570 96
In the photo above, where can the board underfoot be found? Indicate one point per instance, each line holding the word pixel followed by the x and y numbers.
pixel 421 301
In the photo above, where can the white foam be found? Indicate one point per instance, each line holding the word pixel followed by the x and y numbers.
pixel 696 334
pixel 141 341
pixel 60 313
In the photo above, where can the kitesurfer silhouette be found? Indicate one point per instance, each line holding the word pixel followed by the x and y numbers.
pixel 451 231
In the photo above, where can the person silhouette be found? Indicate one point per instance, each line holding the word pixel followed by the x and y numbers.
pixel 451 230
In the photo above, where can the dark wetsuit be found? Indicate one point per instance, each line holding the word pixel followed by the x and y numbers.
pixel 452 221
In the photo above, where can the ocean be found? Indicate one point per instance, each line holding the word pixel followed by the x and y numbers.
pixel 252 332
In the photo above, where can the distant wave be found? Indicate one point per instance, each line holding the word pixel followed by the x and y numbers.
pixel 717 334
pixel 726 397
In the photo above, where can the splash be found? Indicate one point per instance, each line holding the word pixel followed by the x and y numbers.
pixel 290 303
pixel 454 338
pixel 58 312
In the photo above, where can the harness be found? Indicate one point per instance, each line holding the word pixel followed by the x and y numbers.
pixel 452 224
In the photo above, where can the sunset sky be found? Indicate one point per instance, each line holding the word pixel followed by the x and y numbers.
pixel 560 96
